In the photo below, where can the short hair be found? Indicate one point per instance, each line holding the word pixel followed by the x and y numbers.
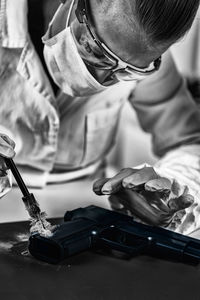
pixel 155 22
pixel 165 21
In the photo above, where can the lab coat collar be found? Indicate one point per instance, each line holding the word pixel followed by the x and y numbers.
pixel 13 34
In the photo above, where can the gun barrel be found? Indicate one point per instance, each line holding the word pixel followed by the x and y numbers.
pixel 159 241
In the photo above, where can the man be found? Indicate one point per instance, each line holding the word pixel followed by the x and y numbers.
pixel 95 52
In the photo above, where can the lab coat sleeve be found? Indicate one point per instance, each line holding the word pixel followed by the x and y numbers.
pixel 166 109
pixel 183 165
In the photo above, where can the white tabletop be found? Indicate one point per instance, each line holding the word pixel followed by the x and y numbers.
pixel 54 199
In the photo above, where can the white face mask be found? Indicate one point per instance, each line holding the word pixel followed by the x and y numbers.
pixel 66 65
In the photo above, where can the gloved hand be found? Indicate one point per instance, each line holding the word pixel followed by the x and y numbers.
pixel 154 200
pixel 6 150
pixel 7 146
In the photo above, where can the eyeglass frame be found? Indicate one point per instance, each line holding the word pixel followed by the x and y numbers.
pixel 82 14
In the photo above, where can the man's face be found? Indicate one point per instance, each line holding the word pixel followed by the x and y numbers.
pixel 121 36
pixel 115 30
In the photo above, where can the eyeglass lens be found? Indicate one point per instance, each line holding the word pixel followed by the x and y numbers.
pixel 88 49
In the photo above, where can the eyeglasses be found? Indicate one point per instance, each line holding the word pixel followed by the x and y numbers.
pixel 106 59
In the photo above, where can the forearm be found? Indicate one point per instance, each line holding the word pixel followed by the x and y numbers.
pixel 166 109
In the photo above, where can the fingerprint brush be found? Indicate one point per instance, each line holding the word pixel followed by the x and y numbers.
pixel 32 206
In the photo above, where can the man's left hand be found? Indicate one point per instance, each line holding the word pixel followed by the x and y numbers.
pixel 143 193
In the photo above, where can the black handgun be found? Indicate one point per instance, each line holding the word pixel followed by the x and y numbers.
pixel 94 228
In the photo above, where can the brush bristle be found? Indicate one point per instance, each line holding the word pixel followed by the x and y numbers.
pixel 41 226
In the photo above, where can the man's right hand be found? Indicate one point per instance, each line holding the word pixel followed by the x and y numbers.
pixel 6 150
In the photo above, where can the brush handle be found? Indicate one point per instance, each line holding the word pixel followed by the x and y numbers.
pixel 29 200
pixel 11 165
